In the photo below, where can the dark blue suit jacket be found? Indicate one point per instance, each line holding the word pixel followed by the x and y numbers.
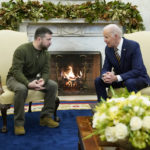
pixel 131 63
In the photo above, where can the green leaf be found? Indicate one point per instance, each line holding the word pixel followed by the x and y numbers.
pixel 91 11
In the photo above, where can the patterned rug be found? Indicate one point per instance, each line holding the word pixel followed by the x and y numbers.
pixel 64 105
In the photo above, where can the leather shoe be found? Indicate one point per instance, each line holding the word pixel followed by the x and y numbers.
pixel 19 130
pixel 49 122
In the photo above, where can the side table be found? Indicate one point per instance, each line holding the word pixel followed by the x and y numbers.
pixel 93 143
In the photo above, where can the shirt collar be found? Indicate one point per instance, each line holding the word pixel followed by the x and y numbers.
pixel 119 47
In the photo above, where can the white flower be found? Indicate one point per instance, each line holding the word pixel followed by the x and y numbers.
pixel 135 123
pixel 116 99
pixel 146 122
pixel 138 109
pixel 130 105
pixel 131 97
pixel 146 101
pixel 115 122
pixel 110 133
pixel 113 109
pixel 97 118
pixel 121 131
pixel 144 98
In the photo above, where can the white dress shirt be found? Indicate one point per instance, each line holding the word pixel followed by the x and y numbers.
pixel 119 47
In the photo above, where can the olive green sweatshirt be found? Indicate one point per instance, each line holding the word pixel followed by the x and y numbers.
pixel 28 62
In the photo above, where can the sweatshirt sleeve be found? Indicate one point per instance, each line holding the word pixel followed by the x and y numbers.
pixel 17 66
pixel 46 69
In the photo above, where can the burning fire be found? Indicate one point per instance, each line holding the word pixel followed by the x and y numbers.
pixel 70 76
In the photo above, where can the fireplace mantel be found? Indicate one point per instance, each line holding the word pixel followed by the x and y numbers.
pixel 76 27
pixel 70 35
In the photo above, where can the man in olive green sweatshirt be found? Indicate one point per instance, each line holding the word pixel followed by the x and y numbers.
pixel 29 61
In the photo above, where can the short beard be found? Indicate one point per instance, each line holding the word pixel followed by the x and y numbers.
pixel 42 47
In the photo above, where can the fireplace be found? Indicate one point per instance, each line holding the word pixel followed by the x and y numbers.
pixel 76 52
pixel 75 72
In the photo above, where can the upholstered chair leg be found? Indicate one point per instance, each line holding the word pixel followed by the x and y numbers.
pixel 30 104
pixel 4 117
pixel 56 118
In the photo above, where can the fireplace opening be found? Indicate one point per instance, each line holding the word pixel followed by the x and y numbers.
pixel 75 72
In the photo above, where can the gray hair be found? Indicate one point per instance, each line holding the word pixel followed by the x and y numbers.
pixel 114 29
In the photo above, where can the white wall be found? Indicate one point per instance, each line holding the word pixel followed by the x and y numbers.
pixel 143 7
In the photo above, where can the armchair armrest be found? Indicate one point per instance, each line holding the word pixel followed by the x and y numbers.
pixel 1 88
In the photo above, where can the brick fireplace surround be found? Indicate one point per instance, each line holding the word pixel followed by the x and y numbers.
pixel 72 37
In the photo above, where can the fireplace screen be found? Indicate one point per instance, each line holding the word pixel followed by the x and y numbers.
pixel 75 73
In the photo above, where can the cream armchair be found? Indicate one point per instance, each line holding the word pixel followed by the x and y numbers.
pixel 143 38
pixel 10 40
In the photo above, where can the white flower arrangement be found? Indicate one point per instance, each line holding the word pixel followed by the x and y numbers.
pixel 124 118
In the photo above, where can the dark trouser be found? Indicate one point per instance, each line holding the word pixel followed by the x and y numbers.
pixel 135 85
pixel 21 92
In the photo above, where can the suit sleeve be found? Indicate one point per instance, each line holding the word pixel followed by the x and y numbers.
pixel 137 66
pixel 107 65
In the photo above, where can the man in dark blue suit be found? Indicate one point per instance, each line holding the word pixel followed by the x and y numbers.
pixel 123 65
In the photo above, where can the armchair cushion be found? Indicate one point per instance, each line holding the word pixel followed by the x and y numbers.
pixel 7 96
pixel 145 91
